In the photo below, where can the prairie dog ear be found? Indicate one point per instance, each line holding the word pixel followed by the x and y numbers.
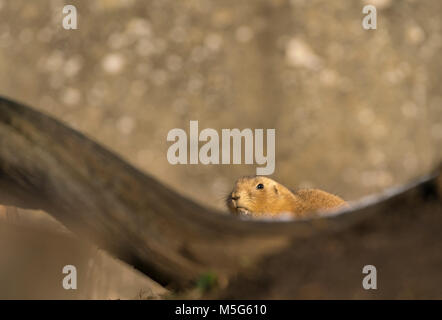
pixel 276 189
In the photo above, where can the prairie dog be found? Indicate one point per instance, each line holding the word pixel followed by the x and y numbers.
pixel 261 196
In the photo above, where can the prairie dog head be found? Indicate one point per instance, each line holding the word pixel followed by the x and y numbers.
pixel 258 196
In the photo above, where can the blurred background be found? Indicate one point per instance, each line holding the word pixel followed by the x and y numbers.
pixel 355 111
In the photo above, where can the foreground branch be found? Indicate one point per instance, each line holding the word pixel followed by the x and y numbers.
pixel 46 165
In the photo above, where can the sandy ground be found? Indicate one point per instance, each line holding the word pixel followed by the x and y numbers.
pixel 34 250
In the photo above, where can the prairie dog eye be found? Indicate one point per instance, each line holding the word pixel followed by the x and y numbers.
pixel 260 186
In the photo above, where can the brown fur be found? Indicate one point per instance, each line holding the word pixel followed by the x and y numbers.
pixel 275 199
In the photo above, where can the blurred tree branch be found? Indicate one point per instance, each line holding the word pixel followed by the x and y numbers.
pixel 46 165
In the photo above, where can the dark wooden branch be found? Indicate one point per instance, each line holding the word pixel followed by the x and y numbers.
pixel 46 165
pixel 401 236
